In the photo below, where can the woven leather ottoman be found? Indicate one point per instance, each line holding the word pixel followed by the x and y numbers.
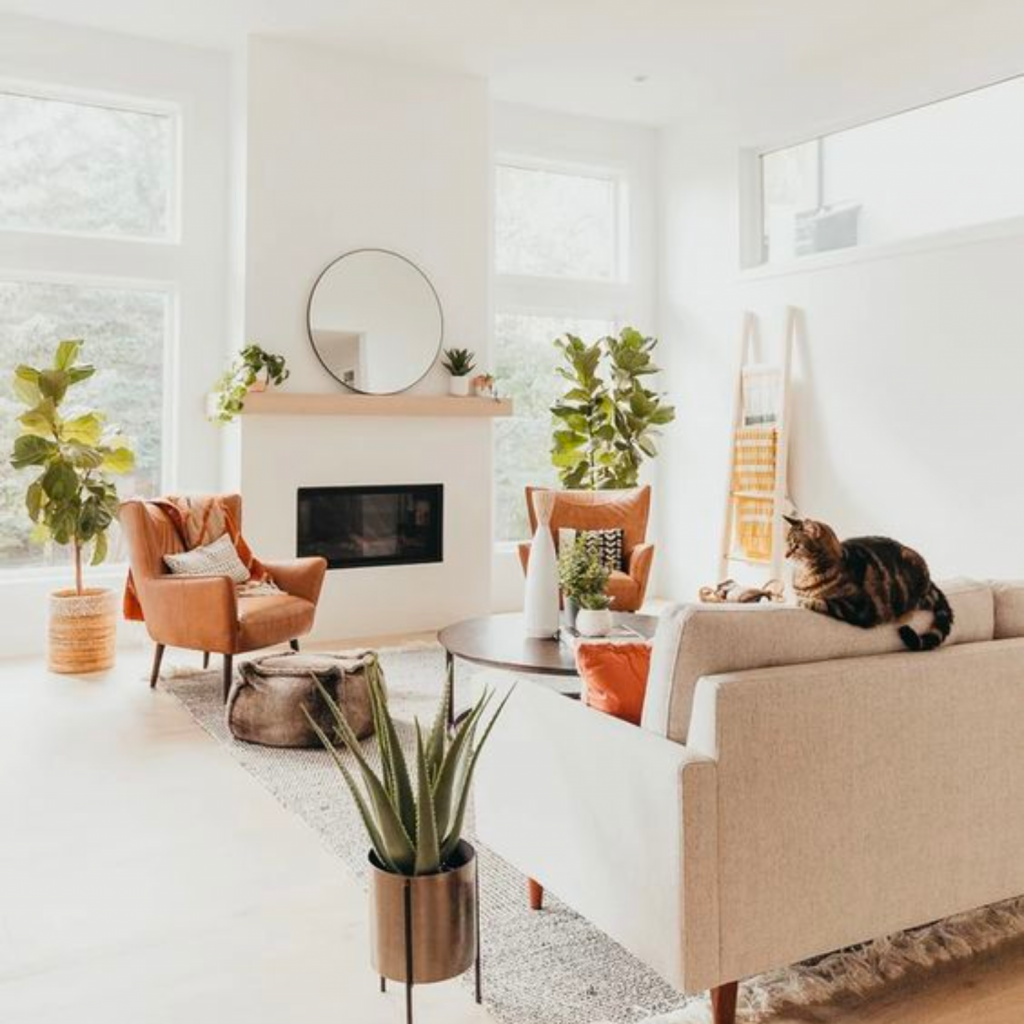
pixel 266 702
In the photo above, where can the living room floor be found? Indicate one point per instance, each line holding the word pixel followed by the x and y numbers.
pixel 147 877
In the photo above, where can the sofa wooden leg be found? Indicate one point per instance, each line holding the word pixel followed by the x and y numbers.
pixel 723 1003
pixel 228 669
pixel 206 659
pixel 158 656
pixel 293 644
pixel 535 891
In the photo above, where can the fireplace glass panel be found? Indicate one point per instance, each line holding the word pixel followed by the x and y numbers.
pixel 374 525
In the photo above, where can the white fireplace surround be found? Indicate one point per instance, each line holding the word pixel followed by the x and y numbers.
pixel 280 453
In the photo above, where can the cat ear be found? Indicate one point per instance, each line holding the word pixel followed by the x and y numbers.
pixel 812 529
pixel 796 523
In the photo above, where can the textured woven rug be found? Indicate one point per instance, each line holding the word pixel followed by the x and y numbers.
pixel 554 967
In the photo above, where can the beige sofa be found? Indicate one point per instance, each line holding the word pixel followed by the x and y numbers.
pixel 797 786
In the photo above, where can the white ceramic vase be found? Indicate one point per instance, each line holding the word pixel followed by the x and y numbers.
pixel 458 386
pixel 593 621
pixel 540 607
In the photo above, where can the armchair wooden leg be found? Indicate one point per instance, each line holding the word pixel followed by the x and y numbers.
pixel 723 1003
pixel 535 892
pixel 158 656
pixel 293 644
pixel 228 668
pixel 206 659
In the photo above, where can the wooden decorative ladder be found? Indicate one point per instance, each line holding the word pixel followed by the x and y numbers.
pixel 756 491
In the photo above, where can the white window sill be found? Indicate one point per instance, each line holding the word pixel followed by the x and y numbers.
pixel 1010 227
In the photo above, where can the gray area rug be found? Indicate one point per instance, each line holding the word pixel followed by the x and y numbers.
pixel 554 967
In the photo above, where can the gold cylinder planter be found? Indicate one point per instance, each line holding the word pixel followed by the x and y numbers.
pixel 428 923
pixel 83 630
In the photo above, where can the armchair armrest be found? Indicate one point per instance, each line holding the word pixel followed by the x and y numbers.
pixel 639 566
pixel 300 577
pixel 523 547
pixel 615 820
pixel 199 613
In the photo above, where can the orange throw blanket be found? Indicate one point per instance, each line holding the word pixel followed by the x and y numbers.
pixel 199 521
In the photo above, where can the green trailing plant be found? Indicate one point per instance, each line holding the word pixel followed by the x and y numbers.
pixel 459 362
pixel 72 500
pixel 245 370
pixel 583 576
pixel 413 814
pixel 608 420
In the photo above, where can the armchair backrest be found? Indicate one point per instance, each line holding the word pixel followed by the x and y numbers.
pixel 151 535
pixel 626 510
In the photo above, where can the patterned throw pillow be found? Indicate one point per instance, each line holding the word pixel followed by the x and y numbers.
pixel 219 558
pixel 606 544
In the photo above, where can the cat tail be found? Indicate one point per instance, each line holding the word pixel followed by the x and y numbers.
pixel 942 622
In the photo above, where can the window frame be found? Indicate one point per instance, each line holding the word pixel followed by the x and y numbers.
pixel 149 264
pixel 114 102
pixel 754 263
pixel 566 297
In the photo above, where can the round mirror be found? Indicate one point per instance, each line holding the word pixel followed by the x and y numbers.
pixel 375 321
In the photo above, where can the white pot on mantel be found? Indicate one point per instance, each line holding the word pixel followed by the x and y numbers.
pixel 459 386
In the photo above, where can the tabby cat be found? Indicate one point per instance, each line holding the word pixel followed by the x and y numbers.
pixel 866 581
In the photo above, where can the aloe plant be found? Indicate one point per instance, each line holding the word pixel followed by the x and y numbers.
pixel 459 362
pixel 414 826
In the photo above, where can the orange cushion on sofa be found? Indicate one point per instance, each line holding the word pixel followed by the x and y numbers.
pixel 614 677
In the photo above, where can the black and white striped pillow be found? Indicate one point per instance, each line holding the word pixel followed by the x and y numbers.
pixel 606 545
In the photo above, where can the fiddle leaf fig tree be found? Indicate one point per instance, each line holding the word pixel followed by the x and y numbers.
pixel 72 499
pixel 608 420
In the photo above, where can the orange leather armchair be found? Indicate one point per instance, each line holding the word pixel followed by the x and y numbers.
pixel 204 613
pixel 626 510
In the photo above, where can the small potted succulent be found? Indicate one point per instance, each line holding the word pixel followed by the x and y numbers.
pixel 459 362
pixel 584 579
pixel 253 369
pixel 72 501
pixel 483 385
pixel 423 893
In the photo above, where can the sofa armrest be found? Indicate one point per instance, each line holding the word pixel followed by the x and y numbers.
pixel 199 613
pixel 618 822
pixel 300 577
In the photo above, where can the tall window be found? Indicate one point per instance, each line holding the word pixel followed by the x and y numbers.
pixel 561 263
pixel 93 184
pixel 946 165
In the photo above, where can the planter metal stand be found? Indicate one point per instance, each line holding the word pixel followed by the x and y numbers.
pixel 406 966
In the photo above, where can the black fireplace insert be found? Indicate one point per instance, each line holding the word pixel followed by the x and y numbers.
pixel 389 524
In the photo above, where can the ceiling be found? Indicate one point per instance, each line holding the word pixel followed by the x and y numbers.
pixel 582 56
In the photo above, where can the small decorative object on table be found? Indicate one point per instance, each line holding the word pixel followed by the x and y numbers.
pixel 424 902
pixel 252 370
pixel 584 578
pixel 459 362
pixel 269 703
pixel 72 502
pixel 483 385
pixel 540 605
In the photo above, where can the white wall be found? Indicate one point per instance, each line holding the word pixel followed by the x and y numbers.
pixel 907 381
pixel 197 81
pixel 344 153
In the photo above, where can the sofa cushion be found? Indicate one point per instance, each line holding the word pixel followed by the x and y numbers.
pixel 701 640
pixel 1008 596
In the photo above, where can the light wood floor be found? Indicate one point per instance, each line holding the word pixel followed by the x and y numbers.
pixel 146 878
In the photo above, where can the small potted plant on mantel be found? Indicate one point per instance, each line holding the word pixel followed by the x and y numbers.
pixel 584 579
pixel 423 893
pixel 253 369
pixel 72 501
pixel 459 362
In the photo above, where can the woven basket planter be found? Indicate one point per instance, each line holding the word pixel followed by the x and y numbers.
pixel 83 630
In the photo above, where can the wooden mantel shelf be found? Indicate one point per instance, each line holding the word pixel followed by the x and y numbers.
pixel 291 403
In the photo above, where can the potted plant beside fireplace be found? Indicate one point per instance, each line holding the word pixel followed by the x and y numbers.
pixel 423 893
pixel 72 501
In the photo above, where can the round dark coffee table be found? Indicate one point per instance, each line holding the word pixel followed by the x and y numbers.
pixel 500 641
